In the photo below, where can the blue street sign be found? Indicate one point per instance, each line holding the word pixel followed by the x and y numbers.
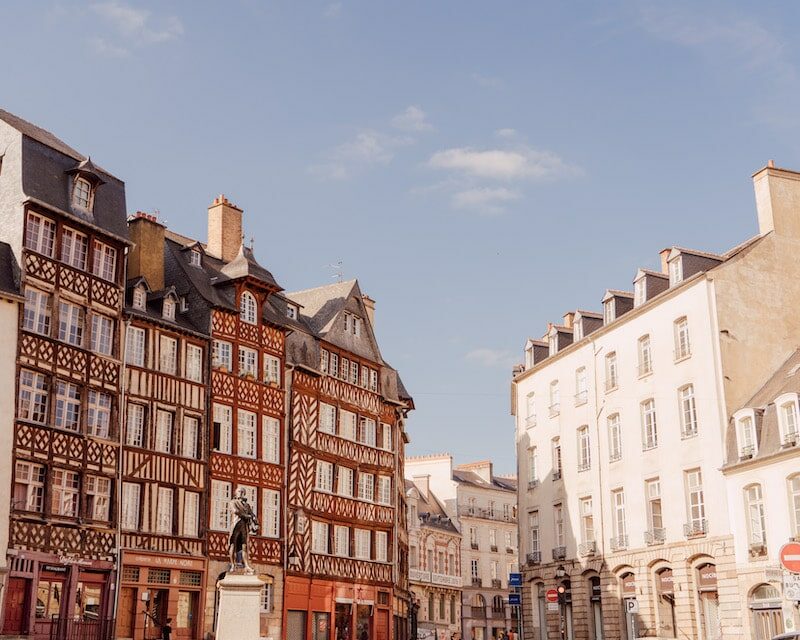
pixel 514 599
pixel 514 579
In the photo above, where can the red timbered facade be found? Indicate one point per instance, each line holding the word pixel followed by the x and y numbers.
pixel 345 478
pixel 69 236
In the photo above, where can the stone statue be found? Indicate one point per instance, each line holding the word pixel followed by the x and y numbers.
pixel 245 524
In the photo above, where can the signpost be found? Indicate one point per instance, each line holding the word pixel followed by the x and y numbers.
pixel 514 579
pixel 791 586
pixel 551 596
pixel 790 557
pixel 631 605
pixel 514 599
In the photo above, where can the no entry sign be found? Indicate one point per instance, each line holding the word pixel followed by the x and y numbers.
pixel 790 557
pixel 551 595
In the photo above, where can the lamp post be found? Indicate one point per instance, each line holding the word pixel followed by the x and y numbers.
pixel 562 601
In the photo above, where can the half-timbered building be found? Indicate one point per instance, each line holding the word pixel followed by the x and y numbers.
pixel 164 450
pixel 348 408
pixel 232 297
pixel 64 219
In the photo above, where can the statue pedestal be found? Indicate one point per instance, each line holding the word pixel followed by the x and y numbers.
pixel 239 613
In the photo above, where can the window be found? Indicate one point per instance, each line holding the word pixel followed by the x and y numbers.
pixel 649 427
pixel 577 330
pixel 493 539
pixel 587 520
pixel 612 379
pixel 272 370
pixel 620 524
pixel 221 355
pixel 81 194
pixel 352 324
pixel 373 380
pixel 366 486
pixel 747 437
pixel 614 438
pixel 652 489
pixel 65 491
pixel 639 292
pixel 291 311
pixel 556 446
pixel 40 234
pixel 248 362
pixel 248 308
pixel 164 422
pixel 363 543
pixel 102 334
pixel 168 308
pixel 271 517
pixel 341 541
pixel 164 511
pixel 530 410
pixel 323 360
pixel 353 373
pixel 344 481
pixel 584 449
pixel 98 497
pixel 131 494
pixel 223 428
pixel 386 437
pixel 581 392
pixel 381 546
pixel 344 369
pixel 509 541
pixel 347 424
pixel 384 490
pixel 32 403
pixel 756 517
pixel 365 373
pixel 194 363
pixel 246 433
pixel 271 447
pixel 195 258
pixel 191 514
pixel 367 432
pixel 473 569
pixel 558 524
pixel 68 406
pixel 134 346
pixel 533 470
pixel 682 345
pixel 608 311
pixel 555 398
pixel 786 406
pixel 794 503
pixel 105 261
pixel 134 430
pixel 319 537
pixel 695 500
pixel 37 314
pixel 191 431
pixel 70 323
pixel 533 528
pixel 168 361
pixel 645 356
pixel 98 416
pixel 29 480
pixel 552 344
pixel 324 476
pixel 327 418
pixel 688 411
pixel 139 298
pixel 220 510
pixel 675 271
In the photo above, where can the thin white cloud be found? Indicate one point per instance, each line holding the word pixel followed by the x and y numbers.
pixel 332 10
pixel 491 357
pixel 485 200
pixel 506 133
pixel 366 149
pixel 521 163
pixel 489 82
pixel 136 27
pixel 412 119
pixel 105 48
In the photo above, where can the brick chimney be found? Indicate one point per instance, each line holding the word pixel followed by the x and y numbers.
pixel 778 200
pixel 224 229
pixel 664 253
pixel 569 319
pixel 146 257
pixel 369 303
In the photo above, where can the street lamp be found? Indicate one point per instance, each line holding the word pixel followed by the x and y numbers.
pixel 562 600
pixel 560 572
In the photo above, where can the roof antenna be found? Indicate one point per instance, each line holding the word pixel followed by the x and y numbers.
pixel 252 242
pixel 338 272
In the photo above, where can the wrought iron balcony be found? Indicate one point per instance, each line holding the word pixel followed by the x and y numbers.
pixel 644 369
pixel 496 583
pixel 554 409
pixel 618 543
pixel 474 546
pixel 680 354
pixel 559 553
pixel 790 439
pixel 580 398
pixel 487 514
pixel 695 528
pixel 745 453
pixel 533 558
pixel 757 550
pixel 532 484
pixel 477 582
pixel 656 535
pixel 556 475
pixel 587 548
pixel 493 548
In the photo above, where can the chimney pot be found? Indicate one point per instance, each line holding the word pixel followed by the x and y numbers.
pixel 771 164
pixel 224 229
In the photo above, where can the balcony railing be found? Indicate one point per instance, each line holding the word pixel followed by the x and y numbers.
pixel 584 466
pixel 644 369
pixel 530 421
pixel 496 583
pixel 559 553
pixel 680 354
pixel 510 550
pixel 790 439
pixel 656 535
pixel 477 582
pixel 615 456
pixel 556 475
pixel 446 580
pixel 689 433
pixel 493 548
pixel 533 558
pixel 587 548
pixel 757 550
pixel 695 528
pixel 554 409
pixel 486 514
pixel 618 543
pixel 745 453
pixel 418 575
pixel 532 484
pixel 580 398
pixel 474 546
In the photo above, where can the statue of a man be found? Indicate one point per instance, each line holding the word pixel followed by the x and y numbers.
pixel 245 524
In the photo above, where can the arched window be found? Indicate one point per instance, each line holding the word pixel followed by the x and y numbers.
pixel 756 519
pixel 82 194
pixel 765 606
pixel 786 406
pixel 746 433
pixel 497 604
pixel 248 308
pixel 478 606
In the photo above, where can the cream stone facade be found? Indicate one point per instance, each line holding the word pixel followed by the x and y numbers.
pixel 621 434
pixel 484 507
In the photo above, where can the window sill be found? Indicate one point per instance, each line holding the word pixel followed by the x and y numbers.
pixel 612 389
pixel 645 374
pixel 689 436
pixel 650 448
pixel 681 358
pixel 614 458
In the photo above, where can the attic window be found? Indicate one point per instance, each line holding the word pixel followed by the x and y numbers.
pixel 746 434
pixel 291 311
pixel 139 298
pixel 247 308
pixel 608 312
pixel 639 296
pixel 194 258
pixel 82 194
pixel 169 309
pixel 352 324
pixel 675 271
pixel 577 331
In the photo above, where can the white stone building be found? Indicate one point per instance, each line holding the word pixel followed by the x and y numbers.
pixel 621 421
pixel 484 506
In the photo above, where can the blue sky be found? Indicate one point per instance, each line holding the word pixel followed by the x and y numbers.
pixel 481 168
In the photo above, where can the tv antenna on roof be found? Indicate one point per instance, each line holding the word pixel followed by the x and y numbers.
pixel 338 272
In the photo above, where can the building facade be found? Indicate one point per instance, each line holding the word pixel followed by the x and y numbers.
pixel 621 421
pixel 484 506
pixel 434 565
pixel 64 219
pixel 348 408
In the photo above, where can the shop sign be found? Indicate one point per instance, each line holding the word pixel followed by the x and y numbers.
pixel 169 562
pixel 665 583
pixel 552 607
pixel 707 578
pixel 78 561
pixel 791 586
pixel 629 584
pixel 54 568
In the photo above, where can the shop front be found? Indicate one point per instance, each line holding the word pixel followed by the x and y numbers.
pixel 53 597
pixel 330 610
pixel 157 588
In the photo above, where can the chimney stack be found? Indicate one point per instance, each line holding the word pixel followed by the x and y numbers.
pixel 778 201
pixel 569 319
pixel 146 257
pixel 369 303
pixel 664 253
pixel 224 229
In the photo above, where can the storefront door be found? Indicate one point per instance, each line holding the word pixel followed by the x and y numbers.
pixel 126 613
pixel 186 618
pixel 766 613
pixel 382 624
pixel 16 606
pixel 296 625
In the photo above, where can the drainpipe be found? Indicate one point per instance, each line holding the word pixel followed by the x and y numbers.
pixel 598 411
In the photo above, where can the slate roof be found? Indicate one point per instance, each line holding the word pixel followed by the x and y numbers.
pixel 153 311
pixel 9 271
pixel 245 265
pixel 475 480
pixel 322 304
pixel 431 511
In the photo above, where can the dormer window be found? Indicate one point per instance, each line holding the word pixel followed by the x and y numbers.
pixel 746 435
pixel 552 343
pixel 248 308
pixel 608 312
pixel 577 331
pixel 139 298
pixel 195 258
pixel 639 292
pixel 675 271
pixel 82 194
pixel 787 408
pixel 168 310
pixel 352 324
pixel 291 311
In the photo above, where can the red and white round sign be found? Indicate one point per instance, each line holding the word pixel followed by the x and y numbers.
pixel 790 557
pixel 551 595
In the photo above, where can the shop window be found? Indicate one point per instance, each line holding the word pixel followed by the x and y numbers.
pixel 158 576
pixel 130 574
pixel 320 630
pixel 191 578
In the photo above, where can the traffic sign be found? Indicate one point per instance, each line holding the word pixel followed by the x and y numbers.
pixel 631 605
pixel 790 556
pixel 514 579
pixel 551 595
pixel 514 599
pixel 791 586
pixel 552 607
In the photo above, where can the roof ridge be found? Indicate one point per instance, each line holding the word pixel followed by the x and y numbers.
pixel 323 286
